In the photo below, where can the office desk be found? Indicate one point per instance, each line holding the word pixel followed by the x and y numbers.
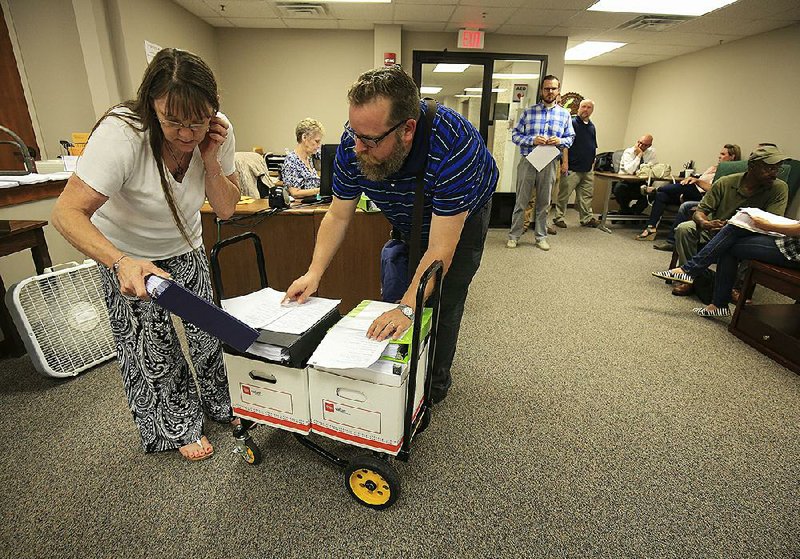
pixel 22 235
pixel 774 330
pixel 602 190
pixel 288 239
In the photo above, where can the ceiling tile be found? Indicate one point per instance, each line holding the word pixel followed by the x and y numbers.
pixel 312 23
pixel 574 33
pixel 789 16
pixel 353 24
pixel 754 9
pixel 218 22
pixel 601 20
pixel 494 3
pixel 728 26
pixel 197 7
pixel 429 13
pixel 480 18
pixel 257 22
pixel 513 29
pixel 417 2
pixel 527 16
pixel 362 12
pixel 649 48
pixel 423 26
pixel 563 4
pixel 243 8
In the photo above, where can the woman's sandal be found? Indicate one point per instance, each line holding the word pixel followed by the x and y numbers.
pixel 719 311
pixel 649 234
pixel 193 454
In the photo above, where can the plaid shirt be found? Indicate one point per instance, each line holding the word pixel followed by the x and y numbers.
pixel 538 120
pixel 790 247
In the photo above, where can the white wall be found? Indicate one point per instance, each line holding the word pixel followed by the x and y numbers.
pixel 611 89
pixel 742 92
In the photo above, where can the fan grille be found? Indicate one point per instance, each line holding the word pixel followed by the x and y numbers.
pixel 68 319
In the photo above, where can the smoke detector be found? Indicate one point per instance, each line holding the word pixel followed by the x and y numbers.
pixel 297 9
pixel 654 22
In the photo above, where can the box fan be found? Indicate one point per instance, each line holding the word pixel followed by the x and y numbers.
pixel 62 319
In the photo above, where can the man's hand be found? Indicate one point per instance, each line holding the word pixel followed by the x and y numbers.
pixel 689 180
pixel 539 140
pixel 391 323
pixel 131 273
pixel 714 224
pixel 565 170
pixel 302 288
pixel 553 141
pixel 637 151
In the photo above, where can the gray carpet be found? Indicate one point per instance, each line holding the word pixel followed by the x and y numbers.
pixel 592 416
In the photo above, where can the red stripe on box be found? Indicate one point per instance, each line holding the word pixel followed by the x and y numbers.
pixel 273 420
pixel 361 440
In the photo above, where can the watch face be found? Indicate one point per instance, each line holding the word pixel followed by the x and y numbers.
pixel 407 311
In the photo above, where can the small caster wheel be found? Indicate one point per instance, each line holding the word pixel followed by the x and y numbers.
pixel 249 451
pixel 372 481
pixel 425 420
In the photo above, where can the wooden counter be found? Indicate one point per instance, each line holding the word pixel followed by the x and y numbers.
pixel 31 192
pixel 288 239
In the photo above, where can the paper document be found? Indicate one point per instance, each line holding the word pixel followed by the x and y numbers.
pixel 541 156
pixel 30 178
pixel 302 317
pixel 346 346
pixel 263 309
pixel 743 220
pixel 268 351
pixel 8 184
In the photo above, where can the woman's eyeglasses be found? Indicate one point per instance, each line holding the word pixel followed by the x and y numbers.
pixel 174 125
pixel 370 142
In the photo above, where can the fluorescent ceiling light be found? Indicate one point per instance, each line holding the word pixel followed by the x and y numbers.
pixel 430 89
pixel 468 95
pixel 450 67
pixel 478 89
pixel 515 76
pixel 357 1
pixel 662 7
pixel 590 49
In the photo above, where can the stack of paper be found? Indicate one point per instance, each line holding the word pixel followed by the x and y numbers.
pixel 743 220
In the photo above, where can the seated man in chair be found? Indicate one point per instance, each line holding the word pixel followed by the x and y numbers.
pixel 758 187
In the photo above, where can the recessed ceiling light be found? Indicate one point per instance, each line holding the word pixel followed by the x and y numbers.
pixel 478 89
pixel 663 7
pixel 515 76
pixel 590 49
pixel 430 89
pixel 450 67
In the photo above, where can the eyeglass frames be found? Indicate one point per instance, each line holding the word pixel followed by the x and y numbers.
pixel 370 142
pixel 174 125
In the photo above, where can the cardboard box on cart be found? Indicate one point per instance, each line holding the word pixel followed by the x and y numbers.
pixel 364 407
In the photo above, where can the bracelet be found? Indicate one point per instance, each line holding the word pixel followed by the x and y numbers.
pixel 115 265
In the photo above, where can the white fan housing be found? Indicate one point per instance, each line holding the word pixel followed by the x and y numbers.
pixel 62 319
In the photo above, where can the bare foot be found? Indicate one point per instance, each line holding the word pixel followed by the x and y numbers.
pixel 677 271
pixel 198 450
pixel 236 421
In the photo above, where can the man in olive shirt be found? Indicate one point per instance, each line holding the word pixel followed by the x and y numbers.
pixel 759 187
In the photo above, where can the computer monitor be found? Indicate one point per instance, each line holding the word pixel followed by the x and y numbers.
pixel 328 153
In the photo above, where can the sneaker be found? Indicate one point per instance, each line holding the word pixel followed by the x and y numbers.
pixel 543 244
pixel 591 223
pixel 559 223
pixel 511 243
pixel 664 245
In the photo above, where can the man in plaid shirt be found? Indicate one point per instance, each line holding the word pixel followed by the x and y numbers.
pixel 545 123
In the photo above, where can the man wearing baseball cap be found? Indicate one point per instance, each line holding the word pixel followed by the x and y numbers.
pixel 758 187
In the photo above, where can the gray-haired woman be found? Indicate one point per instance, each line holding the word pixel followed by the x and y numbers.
pixel 298 173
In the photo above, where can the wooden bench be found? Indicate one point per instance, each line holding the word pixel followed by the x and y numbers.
pixel 774 330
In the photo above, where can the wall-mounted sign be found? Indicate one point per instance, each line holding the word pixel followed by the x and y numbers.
pixel 150 50
pixel 470 39
pixel 389 58
pixel 520 91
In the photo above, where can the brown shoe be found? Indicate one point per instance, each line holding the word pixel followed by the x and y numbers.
pixel 735 294
pixel 683 289
pixel 591 223
pixel 560 223
pixel 551 230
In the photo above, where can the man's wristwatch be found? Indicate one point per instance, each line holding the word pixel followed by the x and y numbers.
pixel 407 311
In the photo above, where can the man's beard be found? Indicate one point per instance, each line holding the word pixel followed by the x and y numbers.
pixel 376 172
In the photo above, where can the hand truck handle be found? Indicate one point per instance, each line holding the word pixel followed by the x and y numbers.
pixel 216 272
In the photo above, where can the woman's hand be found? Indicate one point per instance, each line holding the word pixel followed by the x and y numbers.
pixel 215 137
pixel 131 273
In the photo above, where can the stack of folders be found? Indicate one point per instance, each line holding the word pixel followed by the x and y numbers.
pixel 287 332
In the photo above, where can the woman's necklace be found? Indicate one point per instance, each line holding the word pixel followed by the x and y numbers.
pixel 179 170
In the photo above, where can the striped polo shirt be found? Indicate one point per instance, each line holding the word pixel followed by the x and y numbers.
pixel 460 173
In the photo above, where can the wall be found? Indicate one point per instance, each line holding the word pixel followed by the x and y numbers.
pixel 611 90
pixel 53 63
pixel 276 77
pixel 740 93
pixel 163 23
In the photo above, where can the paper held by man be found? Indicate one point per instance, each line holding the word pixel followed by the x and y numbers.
pixel 743 219
pixel 541 156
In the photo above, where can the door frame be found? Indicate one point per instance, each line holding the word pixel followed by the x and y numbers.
pixel 486 59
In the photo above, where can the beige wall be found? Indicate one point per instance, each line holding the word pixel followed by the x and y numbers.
pixel 741 92
pixel 158 21
pixel 610 89
pixel 53 64
pixel 273 78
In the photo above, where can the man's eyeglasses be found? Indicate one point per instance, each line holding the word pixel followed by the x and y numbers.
pixel 370 142
pixel 550 89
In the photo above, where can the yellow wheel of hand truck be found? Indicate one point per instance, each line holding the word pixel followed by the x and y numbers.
pixel 372 481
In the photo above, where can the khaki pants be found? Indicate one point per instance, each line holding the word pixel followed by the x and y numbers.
pixel 532 203
pixel 583 185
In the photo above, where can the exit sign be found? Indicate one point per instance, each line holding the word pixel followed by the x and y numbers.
pixel 470 39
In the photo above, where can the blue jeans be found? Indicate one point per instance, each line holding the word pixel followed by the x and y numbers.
pixel 727 248
pixel 671 194
pixel 684 214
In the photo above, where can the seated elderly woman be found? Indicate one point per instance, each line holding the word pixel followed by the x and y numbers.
pixel 732 245
pixel 298 174
pixel 689 189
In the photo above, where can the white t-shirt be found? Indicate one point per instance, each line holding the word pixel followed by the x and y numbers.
pixel 118 163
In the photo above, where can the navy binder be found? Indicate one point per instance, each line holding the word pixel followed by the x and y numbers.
pixel 206 316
